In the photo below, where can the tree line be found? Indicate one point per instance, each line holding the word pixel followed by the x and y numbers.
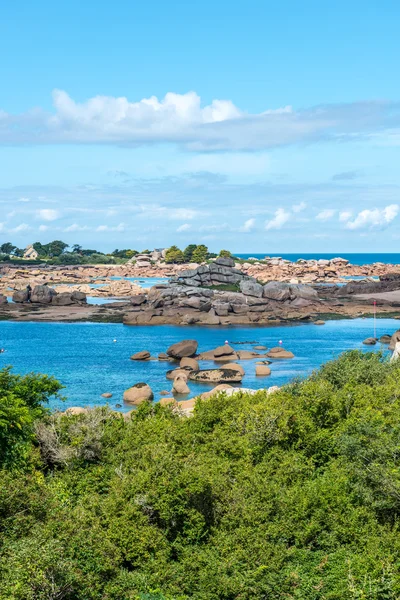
pixel 59 252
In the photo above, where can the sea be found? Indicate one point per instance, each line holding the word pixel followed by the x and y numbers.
pixel 92 358
pixel 355 259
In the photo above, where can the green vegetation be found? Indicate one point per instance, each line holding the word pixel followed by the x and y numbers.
pixel 293 495
pixel 174 255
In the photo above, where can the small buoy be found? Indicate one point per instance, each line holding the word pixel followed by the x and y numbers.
pixel 226 342
pixel 114 341
pixel 280 341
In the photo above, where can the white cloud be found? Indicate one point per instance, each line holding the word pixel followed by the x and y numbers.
pixel 345 215
pixel 217 227
pixel 181 119
pixel 376 217
pixel 76 227
pixel 20 228
pixel 181 214
pixel 48 214
pixel 24 199
pixel 120 227
pixel 281 217
pixel 248 226
pixel 296 208
pixel 326 214
pixel 184 227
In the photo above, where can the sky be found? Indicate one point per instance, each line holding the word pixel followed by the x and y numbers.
pixel 251 125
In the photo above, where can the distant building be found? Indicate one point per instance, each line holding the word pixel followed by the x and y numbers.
pixel 30 253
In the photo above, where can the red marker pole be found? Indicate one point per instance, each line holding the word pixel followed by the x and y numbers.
pixel 374 318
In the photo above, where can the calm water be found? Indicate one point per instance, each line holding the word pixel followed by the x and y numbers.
pixel 355 259
pixel 85 359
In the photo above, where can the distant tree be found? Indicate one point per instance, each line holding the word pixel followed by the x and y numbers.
pixel 40 249
pixel 89 252
pixel 174 255
pixel 7 248
pixel 76 249
pixel 188 252
pixel 200 254
pixel 225 254
pixel 19 252
pixel 56 248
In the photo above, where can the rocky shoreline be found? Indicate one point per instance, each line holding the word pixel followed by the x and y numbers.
pixel 219 293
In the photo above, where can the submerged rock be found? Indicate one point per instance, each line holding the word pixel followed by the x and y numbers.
pixel 143 355
pixel 279 352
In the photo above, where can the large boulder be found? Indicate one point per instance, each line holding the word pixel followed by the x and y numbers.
pixel 251 288
pixel 225 261
pixel 138 300
pixel 180 386
pixel 276 290
pixel 138 393
pixel 262 370
pixel 189 363
pixel 216 376
pixel 371 341
pixel 222 351
pixel 279 352
pixel 143 355
pixel 3 299
pixel 20 296
pixel 69 298
pixel 173 373
pixel 222 387
pixel 182 349
pixel 42 294
pixel 233 367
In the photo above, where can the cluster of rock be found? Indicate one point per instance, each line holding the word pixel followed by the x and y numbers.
pixel 313 271
pixel 179 303
pixel 220 272
pixel 43 294
pixel 189 371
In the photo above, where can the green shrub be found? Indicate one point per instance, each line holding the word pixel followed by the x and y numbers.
pixel 295 494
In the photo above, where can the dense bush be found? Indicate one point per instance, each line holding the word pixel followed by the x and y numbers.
pixel 293 495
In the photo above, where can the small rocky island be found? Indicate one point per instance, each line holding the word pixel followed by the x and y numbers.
pixel 221 292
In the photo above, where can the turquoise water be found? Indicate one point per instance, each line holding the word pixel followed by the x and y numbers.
pixel 355 259
pixel 84 357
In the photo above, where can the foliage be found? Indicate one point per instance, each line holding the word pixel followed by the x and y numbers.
pixel 225 254
pixel 51 250
pixel 174 255
pixel 290 495
pixel 188 252
pixel 21 404
pixel 200 254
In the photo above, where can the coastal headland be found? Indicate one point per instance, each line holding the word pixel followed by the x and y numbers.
pixel 220 292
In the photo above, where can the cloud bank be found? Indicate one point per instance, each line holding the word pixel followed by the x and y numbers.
pixel 181 119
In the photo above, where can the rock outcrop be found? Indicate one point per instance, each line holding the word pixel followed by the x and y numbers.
pixel 183 349
pixel 216 376
pixel 279 352
pixel 142 355
pixel 220 272
pixel 138 393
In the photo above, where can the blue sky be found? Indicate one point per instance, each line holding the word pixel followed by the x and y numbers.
pixel 244 125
